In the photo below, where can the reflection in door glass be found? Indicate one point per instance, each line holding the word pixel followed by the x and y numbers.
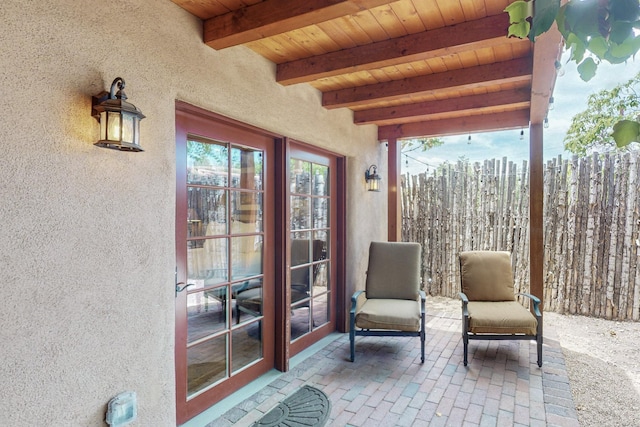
pixel 206 364
pixel 246 214
pixel 207 163
pixel 246 255
pixel 206 313
pixel 207 213
pixel 247 345
pixel 246 165
pixel 224 261
pixel 320 180
pixel 310 264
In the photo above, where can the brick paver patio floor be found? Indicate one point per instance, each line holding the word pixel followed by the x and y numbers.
pixel 388 386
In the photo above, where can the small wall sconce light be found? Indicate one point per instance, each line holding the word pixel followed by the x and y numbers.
pixel 119 119
pixel 546 122
pixel 372 178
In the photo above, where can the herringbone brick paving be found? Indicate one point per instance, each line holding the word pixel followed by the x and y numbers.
pixel 388 386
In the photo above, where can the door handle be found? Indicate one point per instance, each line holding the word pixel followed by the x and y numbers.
pixel 182 288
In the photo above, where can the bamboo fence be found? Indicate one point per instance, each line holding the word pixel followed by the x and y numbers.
pixel 591 228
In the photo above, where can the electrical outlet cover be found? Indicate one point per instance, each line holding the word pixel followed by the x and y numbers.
pixel 122 409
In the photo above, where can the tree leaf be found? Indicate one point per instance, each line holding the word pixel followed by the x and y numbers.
pixel 603 19
pixel 577 47
pixel 624 50
pixel 624 10
pixel 599 46
pixel 581 17
pixel 626 132
pixel 560 19
pixel 520 30
pixel 544 14
pixel 587 69
pixel 518 11
pixel 620 31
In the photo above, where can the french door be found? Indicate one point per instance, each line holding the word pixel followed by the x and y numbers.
pixel 313 230
pixel 224 260
pixel 259 254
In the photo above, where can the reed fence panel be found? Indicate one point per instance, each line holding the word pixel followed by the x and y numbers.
pixel 591 227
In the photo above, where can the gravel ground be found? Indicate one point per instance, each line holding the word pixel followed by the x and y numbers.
pixel 603 363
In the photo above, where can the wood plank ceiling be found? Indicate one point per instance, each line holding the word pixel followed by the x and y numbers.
pixel 413 67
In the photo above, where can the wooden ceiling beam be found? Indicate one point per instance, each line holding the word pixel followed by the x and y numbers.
pixel 468 124
pixel 466 36
pixel 272 17
pixel 460 106
pixel 546 53
pixel 516 70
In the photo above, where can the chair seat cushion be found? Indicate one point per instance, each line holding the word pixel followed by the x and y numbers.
pixel 400 315
pixel 251 299
pixel 502 317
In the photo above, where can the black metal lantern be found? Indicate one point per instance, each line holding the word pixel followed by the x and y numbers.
pixel 372 178
pixel 119 119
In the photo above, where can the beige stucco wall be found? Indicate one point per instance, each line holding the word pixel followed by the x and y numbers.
pixel 87 238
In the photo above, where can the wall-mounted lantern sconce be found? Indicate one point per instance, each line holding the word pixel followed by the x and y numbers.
pixel 119 119
pixel 372 178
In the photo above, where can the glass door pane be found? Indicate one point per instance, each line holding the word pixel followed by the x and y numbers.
pixel 309 220
pixel 224 261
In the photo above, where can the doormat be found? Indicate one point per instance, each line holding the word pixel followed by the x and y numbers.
pixel 306 407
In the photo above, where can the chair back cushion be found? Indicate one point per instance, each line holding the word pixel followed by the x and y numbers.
pixel 486 275
pixel 394 270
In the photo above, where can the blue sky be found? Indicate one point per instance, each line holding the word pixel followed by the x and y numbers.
pixel 570 97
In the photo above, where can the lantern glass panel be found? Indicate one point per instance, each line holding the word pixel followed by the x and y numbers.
pixel 103 125
pixel 127 127
pixel 136 131
pixel 113 126
pixel 374 184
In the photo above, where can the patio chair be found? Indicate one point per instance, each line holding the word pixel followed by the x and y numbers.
pixel 490 310
pixel 392 303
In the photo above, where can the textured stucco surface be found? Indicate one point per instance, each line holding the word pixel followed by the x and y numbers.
pixel 87 239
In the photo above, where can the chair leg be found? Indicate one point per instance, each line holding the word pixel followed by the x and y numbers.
pixel 352 336
pixel 539 340
pixel 465 342
pixel 422 337
pixel 539 345
pixel 465 337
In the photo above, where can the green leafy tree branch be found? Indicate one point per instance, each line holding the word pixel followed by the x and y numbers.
pixel 593 30
pixel 592 129
pixel 422 144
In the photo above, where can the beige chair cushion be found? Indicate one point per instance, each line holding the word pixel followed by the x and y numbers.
pixel 504 317
pixel 486 275
pixel 394 270
pixel 400 315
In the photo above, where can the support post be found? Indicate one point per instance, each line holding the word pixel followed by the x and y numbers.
pixel 536 210
pixel 394 204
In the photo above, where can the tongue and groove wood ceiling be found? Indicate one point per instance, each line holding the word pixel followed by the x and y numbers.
pixel 413 67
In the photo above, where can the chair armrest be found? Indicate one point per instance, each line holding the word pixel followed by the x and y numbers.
pixel 423 299
pixel 536 303
pixel 465 301
pixel 354 301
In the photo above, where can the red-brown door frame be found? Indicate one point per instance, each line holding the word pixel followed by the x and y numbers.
pixel 283 297
pixel 278 181
pixel 190 119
